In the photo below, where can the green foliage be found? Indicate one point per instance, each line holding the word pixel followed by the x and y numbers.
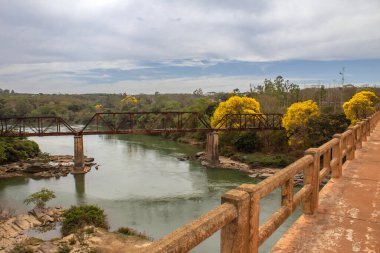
pixel 20 248
pixel 16 149
pixel 64 248
pixel 322 129
pixel 265 160
pixel 132 232
pixel 78 217
pixel 40 198
pixel 247 142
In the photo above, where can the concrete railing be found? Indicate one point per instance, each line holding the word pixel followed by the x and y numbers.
pixel 238 215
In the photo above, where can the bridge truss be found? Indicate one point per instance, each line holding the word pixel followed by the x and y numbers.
pixel 136 123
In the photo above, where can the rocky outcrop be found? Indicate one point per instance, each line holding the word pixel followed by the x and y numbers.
pixel 52 166
pixel 12 229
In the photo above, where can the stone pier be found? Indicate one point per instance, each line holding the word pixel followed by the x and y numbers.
pixel 212 148
pixel 78 153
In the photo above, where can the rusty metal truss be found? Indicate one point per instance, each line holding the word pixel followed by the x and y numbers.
pixel 136 123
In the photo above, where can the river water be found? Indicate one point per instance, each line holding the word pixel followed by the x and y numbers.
pixel 141 184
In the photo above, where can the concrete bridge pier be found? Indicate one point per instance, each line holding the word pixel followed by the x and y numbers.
pixel 78 154
pixel 212 148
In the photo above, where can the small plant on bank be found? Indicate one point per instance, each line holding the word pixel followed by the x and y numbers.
pixel 64 248
pixel 132 232
pixel 20 248
pixel 40 198
pixel 77 217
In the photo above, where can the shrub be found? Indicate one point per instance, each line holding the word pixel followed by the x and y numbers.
pixel 247 142
pixel 322 129
pixel 132 232
pixel 64 248
pixel 20 248
pixel 40 198
pixel 78 217
pixel 15 149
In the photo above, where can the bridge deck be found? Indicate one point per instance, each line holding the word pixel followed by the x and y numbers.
pixel 348 217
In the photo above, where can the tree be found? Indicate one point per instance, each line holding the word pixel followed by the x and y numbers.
pixel 360 106
pixel 40 198
pixel 235 105
pixel 296 120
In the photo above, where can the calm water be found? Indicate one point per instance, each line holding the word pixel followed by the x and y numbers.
pixel 141 184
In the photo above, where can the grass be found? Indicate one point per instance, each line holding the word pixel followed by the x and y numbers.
pixel 264 160
pixel 132 232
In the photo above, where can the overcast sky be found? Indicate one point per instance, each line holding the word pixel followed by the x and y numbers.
pixel 144 46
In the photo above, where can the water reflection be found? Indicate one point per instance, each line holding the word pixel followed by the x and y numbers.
pixel 80 188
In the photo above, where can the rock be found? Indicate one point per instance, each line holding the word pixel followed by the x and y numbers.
pixel 89 160
pixel 184 158
pixel 199 154
pixel 12 168
pixel 22 222
pixel 38 213
pixel 38 167
pixel 48 247
pixel 46 218
pixel 253 175
pixel 265 175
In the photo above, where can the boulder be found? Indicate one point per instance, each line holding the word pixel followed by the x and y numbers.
pixel 38 167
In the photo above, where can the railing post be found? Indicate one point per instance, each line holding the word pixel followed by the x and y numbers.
pixel 235 236
pixel 254 215
pixel 337 170
pixel 351 142
pixel 359 136
pixel 311 176
pixel 354 130
pixel 212 148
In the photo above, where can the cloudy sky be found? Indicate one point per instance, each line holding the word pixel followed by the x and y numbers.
pixel 143 46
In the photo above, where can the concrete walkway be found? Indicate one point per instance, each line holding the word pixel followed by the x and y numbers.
pixel 348 217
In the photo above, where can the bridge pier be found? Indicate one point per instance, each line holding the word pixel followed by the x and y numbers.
pixel 78 154
pixel 212 148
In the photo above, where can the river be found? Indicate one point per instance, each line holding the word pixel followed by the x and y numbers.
pixel 141 184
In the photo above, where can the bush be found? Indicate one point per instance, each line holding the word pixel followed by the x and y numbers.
pixel 19 248
pixel 247 142
pixel 40 198
pixel 132 232
pixel 16 149
pixel 322 129
pixel 78 217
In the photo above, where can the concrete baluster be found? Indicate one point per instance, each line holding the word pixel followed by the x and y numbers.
pixel 351 142
pixel 337 152
pixel 254 215
pixel 311 176
pixel 235 235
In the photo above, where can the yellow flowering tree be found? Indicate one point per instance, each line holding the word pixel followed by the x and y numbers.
pixel 98 107
pixel 296 120
pixel 128 100
pixel 360 106
pixel 235 105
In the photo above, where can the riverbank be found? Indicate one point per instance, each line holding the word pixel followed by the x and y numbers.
pixel 43 167
pixel 15 232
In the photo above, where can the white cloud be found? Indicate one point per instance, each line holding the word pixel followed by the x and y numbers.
pixel 76 36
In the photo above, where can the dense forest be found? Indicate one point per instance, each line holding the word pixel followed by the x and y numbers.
pixel 262 147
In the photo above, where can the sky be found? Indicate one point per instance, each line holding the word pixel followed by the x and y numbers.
pixel 167 46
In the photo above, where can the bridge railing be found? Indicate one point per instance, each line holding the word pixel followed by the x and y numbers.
pixel 238 215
